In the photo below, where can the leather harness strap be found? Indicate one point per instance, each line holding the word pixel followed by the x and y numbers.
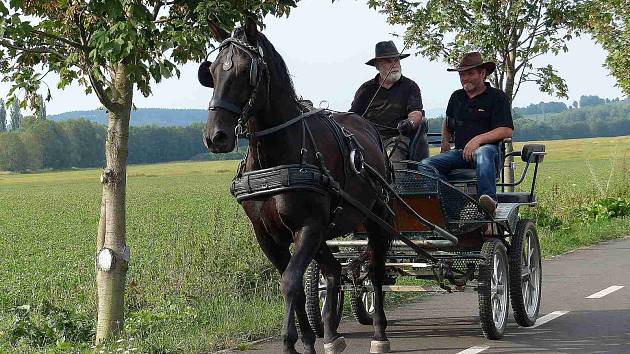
pixel 258 134
pixel 228 106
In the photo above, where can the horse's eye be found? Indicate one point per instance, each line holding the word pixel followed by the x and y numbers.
pixel 204 76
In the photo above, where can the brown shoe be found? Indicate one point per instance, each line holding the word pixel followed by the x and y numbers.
pixel 488 204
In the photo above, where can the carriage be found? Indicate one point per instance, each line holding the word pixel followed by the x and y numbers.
pixel 498 256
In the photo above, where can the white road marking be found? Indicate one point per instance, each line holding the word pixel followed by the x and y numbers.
pixel 605 292
pixel 473 350
pixel 548 317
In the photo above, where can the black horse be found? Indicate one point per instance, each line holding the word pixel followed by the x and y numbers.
pixel 254 95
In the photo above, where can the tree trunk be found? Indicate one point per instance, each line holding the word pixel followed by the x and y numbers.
pixel 510 75
pixel 111 232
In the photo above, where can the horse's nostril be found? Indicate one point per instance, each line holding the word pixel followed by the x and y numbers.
pixel 219 138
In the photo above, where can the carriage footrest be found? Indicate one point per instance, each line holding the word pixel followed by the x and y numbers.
pixel 395 243
pixel 508 212
pixel 400 288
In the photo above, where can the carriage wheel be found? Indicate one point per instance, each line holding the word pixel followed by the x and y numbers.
pixel 493 289
pixel 315 290
pixel 362 304
pixel 525 273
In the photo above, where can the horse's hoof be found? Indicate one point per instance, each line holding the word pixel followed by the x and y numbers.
pixel 379 346
pixel 336 346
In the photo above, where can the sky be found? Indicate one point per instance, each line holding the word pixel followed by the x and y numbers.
pixel 325 47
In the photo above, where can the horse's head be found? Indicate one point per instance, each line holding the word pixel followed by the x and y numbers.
pixel 237 78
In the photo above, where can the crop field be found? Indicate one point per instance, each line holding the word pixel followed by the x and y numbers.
pixel 197 281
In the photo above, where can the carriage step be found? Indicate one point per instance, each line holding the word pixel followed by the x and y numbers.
pixel 396 243
pixel 416 289
pixel 400 265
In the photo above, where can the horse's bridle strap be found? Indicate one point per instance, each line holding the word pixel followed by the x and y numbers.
pixel 228 106
pixel 258 134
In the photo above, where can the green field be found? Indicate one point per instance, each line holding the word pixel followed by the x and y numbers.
pixel 197 280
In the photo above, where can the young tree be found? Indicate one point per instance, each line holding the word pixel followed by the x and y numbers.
pixel 16 115
pixel 111 48
pixel 591 100
pixel 40 108
pixel 608 21
pixel 3 116
pixel 13 155
pixel 512 32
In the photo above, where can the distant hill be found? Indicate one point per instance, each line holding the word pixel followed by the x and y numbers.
pixel 161 117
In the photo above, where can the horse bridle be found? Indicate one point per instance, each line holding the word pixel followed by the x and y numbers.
pixel 255 78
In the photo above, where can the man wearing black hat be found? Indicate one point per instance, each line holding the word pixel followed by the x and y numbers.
pixel 393 104
pixel 478 117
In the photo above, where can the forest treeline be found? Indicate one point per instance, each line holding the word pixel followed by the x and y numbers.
pixel 612 119
pixel 45 144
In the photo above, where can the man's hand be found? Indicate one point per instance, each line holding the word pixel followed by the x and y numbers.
pixel 446 146
pixel 470 149
pixel 405 127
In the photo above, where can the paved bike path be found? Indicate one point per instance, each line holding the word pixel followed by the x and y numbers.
pixel 449 323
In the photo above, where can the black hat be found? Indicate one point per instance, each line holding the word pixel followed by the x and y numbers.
pixel 473 60
pixel 385 49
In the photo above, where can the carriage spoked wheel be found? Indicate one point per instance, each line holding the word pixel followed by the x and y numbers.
pixel 493 289
pixel 315 290
pixel 525 273
pixel 362 304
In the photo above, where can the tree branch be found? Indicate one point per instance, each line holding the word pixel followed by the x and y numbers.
pixel 39 50
pixel 100 92
pixel 156 10
pixel 63 40
pixel 79 23
pixel 526 57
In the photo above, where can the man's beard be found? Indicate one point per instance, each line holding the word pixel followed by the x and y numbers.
pixel 469 86
pixel 393 77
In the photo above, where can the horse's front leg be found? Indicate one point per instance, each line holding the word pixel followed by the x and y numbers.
pixel 331 269
pixel 307 242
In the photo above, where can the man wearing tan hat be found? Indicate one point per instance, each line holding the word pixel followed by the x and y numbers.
pixel 478 117
pixel 393 104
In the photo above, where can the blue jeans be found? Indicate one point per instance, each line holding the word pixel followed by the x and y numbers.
pixel 484 162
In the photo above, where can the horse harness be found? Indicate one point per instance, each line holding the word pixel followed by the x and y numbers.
pixel 252 184
pixel 304 176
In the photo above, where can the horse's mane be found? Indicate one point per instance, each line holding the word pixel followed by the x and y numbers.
pixel 274 60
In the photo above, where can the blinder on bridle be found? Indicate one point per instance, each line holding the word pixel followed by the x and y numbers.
pixel 205 76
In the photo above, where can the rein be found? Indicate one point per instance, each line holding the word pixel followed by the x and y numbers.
pixel 261 133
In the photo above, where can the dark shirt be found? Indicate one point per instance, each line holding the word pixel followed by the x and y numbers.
pixel 469 117
pixel 390 106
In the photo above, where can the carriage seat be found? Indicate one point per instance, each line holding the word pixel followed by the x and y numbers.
pixel 462 175
pixel 469 175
